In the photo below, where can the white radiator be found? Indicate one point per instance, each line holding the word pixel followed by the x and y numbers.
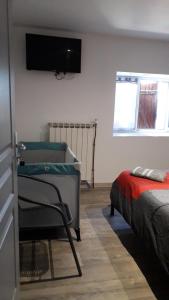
pixel 80 137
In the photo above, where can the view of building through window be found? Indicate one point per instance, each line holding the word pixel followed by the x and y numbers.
pixel 141 103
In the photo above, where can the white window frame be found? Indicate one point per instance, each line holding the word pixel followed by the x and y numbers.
pixel 144 132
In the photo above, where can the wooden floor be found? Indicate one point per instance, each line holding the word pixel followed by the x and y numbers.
pixel 106 255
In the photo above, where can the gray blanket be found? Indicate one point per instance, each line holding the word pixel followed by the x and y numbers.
pixel 149 217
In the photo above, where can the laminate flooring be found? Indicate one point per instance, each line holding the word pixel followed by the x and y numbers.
pixel 114 262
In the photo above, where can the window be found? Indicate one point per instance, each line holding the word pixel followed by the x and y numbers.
pixel 141 104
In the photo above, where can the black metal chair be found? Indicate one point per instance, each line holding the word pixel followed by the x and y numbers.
pixel 38 219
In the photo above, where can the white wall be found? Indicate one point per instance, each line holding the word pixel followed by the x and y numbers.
pixel 41 98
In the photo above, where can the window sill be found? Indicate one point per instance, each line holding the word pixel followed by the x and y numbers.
pixel 142 134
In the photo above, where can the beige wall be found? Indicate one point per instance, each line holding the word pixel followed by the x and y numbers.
pixel 41 98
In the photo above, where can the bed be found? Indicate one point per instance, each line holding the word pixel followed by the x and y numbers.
pixel 144 204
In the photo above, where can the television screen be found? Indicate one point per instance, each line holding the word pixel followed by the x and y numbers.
pixel 50 53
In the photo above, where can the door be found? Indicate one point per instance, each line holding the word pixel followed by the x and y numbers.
pixel 8 197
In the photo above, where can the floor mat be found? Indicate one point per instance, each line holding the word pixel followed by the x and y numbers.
pixel 34 259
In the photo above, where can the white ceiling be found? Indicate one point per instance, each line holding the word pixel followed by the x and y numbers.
pixel 142 18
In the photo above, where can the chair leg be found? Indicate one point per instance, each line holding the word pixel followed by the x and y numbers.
pixel 73 249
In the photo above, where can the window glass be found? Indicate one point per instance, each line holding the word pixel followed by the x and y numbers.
pixel 141 103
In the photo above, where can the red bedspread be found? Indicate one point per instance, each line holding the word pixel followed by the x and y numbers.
pixel 131 186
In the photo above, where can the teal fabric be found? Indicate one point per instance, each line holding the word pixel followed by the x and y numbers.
pixel 47 168
pixel 45 145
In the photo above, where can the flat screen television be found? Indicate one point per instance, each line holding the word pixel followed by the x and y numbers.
pixel 50 53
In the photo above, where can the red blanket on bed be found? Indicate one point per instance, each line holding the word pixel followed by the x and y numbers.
pixel 131 186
